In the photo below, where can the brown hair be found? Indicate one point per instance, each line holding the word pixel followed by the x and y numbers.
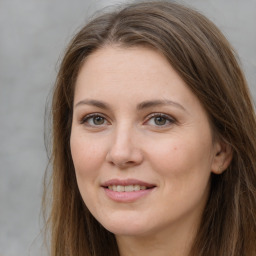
pixel 204 59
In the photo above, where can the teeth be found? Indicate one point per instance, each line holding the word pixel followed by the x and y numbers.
pixel 136 187
pixel 119 188
pixel 129 188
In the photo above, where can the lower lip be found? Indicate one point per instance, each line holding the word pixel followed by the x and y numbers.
pixel 127 197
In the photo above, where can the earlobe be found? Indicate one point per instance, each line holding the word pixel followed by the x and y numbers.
pixel 222 157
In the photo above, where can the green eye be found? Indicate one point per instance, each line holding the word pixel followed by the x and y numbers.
pixel 94 120
pixel 98 120
pixel 159 120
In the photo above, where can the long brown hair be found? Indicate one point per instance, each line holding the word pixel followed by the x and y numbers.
pixel 204 59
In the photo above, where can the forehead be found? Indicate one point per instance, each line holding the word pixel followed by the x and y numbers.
pixel 116 59
pixel 133 69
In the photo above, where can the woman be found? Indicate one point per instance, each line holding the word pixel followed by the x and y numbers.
pixel 153 139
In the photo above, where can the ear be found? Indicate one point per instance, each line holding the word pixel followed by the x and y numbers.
pixel 223 154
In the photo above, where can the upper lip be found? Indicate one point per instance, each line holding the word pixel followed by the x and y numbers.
pixel 127 182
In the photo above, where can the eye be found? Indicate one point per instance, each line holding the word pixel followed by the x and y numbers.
pixel 160 119
pixel 94 120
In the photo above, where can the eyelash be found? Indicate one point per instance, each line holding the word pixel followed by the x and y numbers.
pixel 85 119
pixel 167 118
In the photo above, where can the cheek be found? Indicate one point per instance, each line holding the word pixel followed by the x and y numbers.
pixel 185 171
pixel 86 156
pixel 183 159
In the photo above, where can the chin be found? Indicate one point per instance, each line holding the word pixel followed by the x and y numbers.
pixel 126 231
pixel 127 227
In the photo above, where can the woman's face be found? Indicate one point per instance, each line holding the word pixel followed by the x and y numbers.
pixel 141 143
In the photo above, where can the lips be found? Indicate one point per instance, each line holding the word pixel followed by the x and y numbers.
pixel 127 185
pixel 128 190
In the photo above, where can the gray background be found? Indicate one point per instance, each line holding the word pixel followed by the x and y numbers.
pixel 33 35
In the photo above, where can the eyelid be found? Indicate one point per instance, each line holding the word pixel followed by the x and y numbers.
pixel 169 118
pixel 91 115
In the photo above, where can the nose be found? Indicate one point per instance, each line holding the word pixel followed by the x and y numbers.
pixel 125 150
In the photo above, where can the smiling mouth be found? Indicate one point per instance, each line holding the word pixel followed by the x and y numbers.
pixel 129 188
pixel 128 185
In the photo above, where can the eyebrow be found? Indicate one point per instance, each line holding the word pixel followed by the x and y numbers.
pixel 95 103
pixel 155 103
pixel 140 106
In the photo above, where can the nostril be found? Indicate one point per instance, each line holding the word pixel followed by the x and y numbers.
pixel 125 164
pixel 130 163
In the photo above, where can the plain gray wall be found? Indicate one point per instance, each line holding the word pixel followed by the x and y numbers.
pixel 33 35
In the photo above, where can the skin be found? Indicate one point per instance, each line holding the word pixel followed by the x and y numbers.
pixel 176 153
